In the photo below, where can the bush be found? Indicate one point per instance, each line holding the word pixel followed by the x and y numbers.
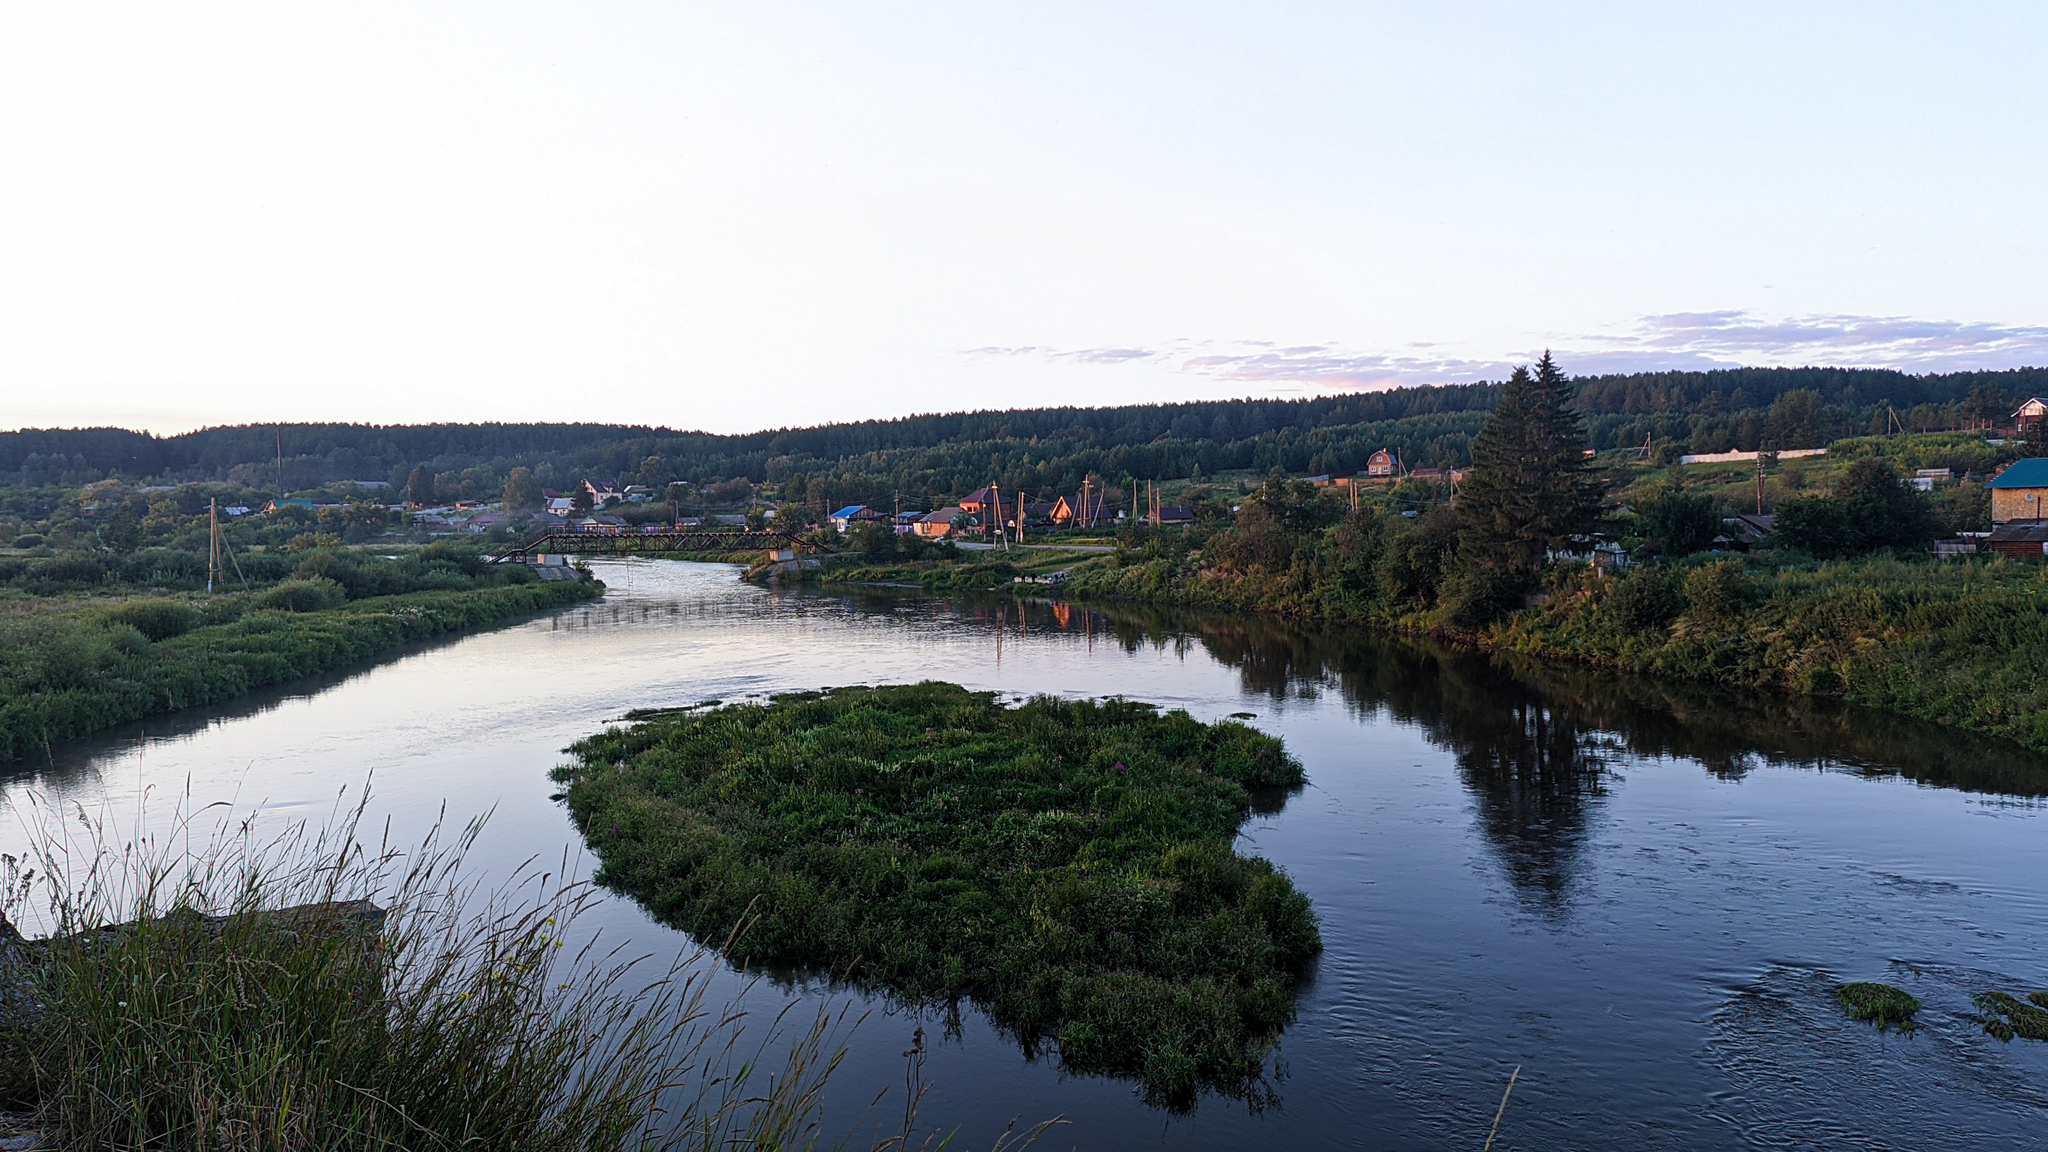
pixel 157 619
pixel 1647 597
pixel 314 595
pixel 1719 591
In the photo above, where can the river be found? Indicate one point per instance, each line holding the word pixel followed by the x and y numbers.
pixel 1640 896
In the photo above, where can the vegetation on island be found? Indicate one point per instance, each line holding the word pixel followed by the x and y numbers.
pixel 325 991
pixel 1880 1004
pixel 2006 1016
pixel 1068 865
pixel 82 649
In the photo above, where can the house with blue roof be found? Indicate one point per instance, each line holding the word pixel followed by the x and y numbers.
pixel 853 514
pixel 2020 492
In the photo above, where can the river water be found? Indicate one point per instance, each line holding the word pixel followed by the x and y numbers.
pixel 1640 896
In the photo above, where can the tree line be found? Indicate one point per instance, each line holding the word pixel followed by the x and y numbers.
pixel 931 458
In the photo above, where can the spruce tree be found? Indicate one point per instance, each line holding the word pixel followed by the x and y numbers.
pixel 1529 489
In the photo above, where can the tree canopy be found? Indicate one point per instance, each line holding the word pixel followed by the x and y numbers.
pixel 1529 490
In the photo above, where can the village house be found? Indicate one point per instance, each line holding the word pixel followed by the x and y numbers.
pixel 1073 510
pixel 846 518
pixel 1383 464
pixel 2029 414
pixel 938 525
pixel 1168 517
pixel 1743 532
pixel 2020 491
pixel 2020 540
pixel 602 492
pixel 977 502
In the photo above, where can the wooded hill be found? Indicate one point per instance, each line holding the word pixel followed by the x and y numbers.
pixel 934 457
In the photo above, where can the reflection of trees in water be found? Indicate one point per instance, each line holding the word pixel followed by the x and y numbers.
pixel 1530 737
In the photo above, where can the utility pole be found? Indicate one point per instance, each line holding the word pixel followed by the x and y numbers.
pixel 1759 483
pixel 280 462
pixel 212 541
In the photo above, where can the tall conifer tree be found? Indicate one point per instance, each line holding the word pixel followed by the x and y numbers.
pixel 1529 489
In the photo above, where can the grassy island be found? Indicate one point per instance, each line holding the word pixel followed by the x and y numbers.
pixel 1066 864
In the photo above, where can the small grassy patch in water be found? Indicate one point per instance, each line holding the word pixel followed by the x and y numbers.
pixel 2006 1016
pixel 1881 1004
pixel 1067 864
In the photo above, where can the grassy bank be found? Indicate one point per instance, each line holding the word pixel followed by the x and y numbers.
pixel 1068 865
pixel 1961 643
pixel 316 992
pixel 74 664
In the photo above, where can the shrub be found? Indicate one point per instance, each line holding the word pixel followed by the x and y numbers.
pixel 314 595
pixel 157 619
pixel 1719 591
pixel 1648 597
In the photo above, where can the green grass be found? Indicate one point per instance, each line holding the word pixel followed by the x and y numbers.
pixel 1067 865
pixel 73 666
pixel 1881 1004
pixel 224 993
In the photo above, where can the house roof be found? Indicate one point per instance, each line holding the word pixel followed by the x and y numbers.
pixel 849 512
pixel 2036 403
pixel 2032 530
pixel 944 515
pixel 980 496
pixel 2023 474
pixel 1182 514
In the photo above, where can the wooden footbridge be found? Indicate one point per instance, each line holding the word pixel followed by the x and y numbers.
pixel 640 542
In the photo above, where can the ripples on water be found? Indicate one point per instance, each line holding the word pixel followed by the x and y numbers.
pixel 1640 894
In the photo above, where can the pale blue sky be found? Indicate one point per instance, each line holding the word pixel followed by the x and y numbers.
pixel 732 216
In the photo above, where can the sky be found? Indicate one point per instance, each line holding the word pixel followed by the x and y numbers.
pixel 763 214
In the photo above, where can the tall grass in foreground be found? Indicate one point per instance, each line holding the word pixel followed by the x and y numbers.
pixel 177 1005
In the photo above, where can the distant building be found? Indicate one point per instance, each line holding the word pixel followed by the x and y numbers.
pixel 1172 516
pixel 1743 532
pixel 854 514
pixel 2020 541
pixel 637 494
pixel 2029 414
pixel 276 506
pixel 1926 478
pixel 560 506
pixel 602 492
pixel 1384 463
pixel 1076 510
pixel 977 502
pixel 2020 491
pixel 938 525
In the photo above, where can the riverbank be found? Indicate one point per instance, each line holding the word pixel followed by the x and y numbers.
pixel 69 667
pixel 1963 644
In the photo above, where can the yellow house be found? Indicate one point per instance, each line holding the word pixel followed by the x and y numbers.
pixel 2020 492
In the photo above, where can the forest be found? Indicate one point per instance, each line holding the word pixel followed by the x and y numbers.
pixel 929 459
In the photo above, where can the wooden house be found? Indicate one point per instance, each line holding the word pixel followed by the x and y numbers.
pixel 2029 414
pixel 938 525
pixel 1383 464
pixel 2020 541
pixel 2020 491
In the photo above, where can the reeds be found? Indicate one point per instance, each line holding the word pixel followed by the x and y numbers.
pixel 242 994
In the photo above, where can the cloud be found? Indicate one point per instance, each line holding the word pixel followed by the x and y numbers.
pixel 1844 341
pixel 1676 341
